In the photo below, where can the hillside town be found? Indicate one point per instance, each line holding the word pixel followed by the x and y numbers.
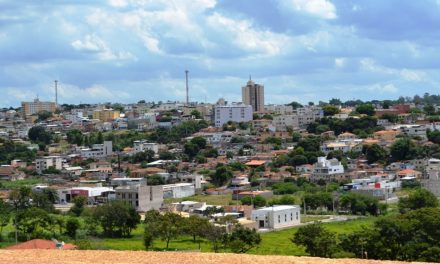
pixel 238 166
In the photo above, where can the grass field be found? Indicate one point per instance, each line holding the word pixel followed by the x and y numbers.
pixel 273 243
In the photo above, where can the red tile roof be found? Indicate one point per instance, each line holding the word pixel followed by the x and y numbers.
pixel 40 244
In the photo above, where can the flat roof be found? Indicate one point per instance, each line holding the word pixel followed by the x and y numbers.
pixel 278 208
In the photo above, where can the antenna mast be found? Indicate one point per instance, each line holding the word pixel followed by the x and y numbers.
pixel 56 93
pixel 187 88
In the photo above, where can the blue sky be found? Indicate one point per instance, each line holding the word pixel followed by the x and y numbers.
pixel 301 50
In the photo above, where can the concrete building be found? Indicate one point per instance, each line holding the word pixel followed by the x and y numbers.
pixel 327 170
pixel 106 115
pixel 98 150
pixel 235 113
pixel 308 115
pixel 45 163
pixel 142 145
pixel 141 196
pixel 31 108
pixel 277 217
pixel 178 190
pixel 282 122
pixel 253 94
pixel 278 109
pixel 412 130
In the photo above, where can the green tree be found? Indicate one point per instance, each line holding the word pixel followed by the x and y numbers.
pixel 221 175
pixel 318 241
pixel 79 203
pixel 256 201
pixel 170 227
pixel 367 109
pixel 418 199
pixel 242 239
pixel 215 235
pixel 39 134
pixel 75 136
pixel 195 226
pixel 199 141
pixel 117 218
pixel 5 215
pixel 155 179
pixel 72 225
pixel 403 149
pixel 196 114
pixel 330 110
pixel 375 153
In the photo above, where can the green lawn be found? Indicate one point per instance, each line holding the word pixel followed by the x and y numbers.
pixel 26 182
pixel 273 243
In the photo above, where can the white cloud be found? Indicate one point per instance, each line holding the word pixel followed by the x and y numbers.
pixel 246 37
pixel 409 75
pixel 340 62
pixel 93 43
pixel 118 3
pixel 321 8
pixel 383 88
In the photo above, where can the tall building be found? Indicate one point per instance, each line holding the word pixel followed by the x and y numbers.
pixel 106 115
pixel 31 108
pixel 253 94
pixel 235 113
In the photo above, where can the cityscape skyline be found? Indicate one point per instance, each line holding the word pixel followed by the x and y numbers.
pixel 128 50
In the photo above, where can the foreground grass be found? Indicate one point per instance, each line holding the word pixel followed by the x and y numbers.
pixel 273 243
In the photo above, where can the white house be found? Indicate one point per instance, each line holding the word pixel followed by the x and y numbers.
pixel 327 170
pixel 178 190
pixel 276 217
pixel 142 145
pixel 98 150
pixel 235 113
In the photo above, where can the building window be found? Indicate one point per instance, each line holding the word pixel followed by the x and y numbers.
pixel 296 215
pixel 279 218
pixel 285 218
pixel 291 216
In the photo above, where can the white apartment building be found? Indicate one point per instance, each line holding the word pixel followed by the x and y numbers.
pixel 98 150
pixel 278 109
pixel 282 122
pixel 327 170
pixel 309 114
pixel 276 217
pixel 142 145
pixel 142 197
pixel 216 137
pixel 412 130
pixel 235 113
pixel 44 163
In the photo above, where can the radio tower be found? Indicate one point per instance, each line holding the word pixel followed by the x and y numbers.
pixel 187 89
pixel 56 93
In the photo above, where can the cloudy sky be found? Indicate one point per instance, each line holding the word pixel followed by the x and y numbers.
pixel 302 50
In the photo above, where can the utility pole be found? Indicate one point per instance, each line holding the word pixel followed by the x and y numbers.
pixel 56 93
pixel 187 88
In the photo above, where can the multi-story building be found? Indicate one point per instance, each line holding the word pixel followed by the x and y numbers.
pixel 309 114
pixel 141 196
pixel 276 217
pixel 31 108
pixel 142 145
pixel 253 94
pixel 327 170
pixel 106 115
pixel 235 113
pixel 278 109
pixel 98 150
pixel 45 163
pixel 282 122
